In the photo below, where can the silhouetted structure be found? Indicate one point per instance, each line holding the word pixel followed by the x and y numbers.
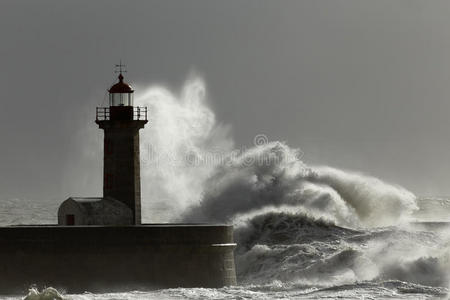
pixel 121 122
pixel 118 253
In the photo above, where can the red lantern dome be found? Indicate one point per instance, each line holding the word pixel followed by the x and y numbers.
pixel 121 94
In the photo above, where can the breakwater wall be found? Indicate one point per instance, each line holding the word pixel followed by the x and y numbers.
pixel 113 258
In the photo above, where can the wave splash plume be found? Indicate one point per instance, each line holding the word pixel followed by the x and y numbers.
pixel 309 226
pixel 277 179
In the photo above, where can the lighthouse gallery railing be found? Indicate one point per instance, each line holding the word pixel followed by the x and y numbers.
pixel 103 113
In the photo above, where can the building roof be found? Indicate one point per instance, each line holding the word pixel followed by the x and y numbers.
pixel 95 205
pixel 86 199
pixel 121 87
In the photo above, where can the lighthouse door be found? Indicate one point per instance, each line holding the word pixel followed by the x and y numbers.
pixel 70 219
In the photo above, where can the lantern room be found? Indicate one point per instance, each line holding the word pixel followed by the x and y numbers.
pixel 121 94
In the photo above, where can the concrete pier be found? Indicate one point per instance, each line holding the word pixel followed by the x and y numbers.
pixel 115 258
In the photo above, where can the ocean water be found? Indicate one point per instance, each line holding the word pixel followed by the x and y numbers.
pixel 284 255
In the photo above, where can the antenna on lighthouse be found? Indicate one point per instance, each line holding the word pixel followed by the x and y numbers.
pixel 120 65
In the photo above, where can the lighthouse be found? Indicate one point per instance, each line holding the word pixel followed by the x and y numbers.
pixel 121 201
pixel 121 122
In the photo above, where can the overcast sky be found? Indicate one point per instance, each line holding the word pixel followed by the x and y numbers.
pixel 361 85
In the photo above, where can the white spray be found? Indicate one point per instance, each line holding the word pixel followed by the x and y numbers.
pixel 178 172
pixel 182 131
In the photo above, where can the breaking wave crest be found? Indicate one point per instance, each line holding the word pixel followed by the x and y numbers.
pixel 46 294
pixel 281 181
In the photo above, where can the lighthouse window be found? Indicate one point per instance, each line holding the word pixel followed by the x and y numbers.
pixel 130 99
pixel 120 99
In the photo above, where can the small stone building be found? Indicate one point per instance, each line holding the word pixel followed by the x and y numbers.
pixel 94 211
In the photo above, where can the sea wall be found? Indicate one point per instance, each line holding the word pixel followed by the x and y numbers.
pixel 113 258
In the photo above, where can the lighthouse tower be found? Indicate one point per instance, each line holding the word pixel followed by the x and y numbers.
pixel 121 201
pixel 121 122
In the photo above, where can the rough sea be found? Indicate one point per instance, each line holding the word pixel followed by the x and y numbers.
pixel 303 232
pixel 282 255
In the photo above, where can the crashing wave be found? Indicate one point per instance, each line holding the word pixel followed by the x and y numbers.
pixel 294 248
pixel 46 294
pixel 275 178
pixel 294 223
